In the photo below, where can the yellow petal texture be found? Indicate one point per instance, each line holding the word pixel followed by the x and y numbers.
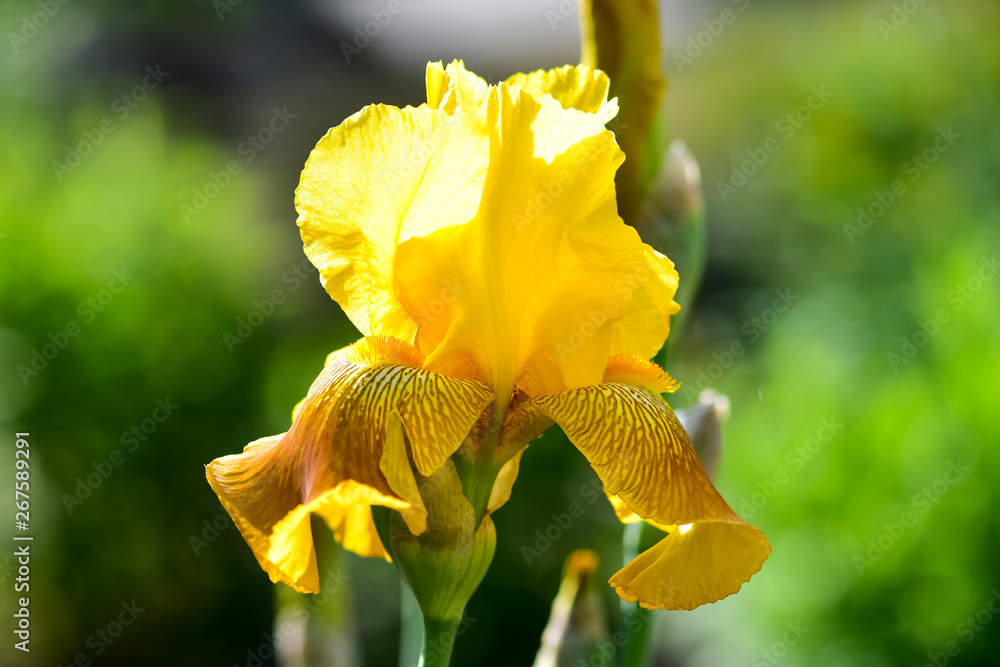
pixel 453 87
pixel 646 325
pixel 522 425
pixel 575 87
pixel 380 176
pixel 527 291
pixel 707 562
pixel 503 485
pixel 346 450
pixel 643 456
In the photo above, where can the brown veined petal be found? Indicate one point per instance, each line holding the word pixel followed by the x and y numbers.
pixel 643 456
pixel 344 453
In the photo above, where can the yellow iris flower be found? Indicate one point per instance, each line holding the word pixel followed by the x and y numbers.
pixel 475 242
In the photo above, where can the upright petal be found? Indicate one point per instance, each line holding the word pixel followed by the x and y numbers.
pixel 643 456
pixel 575 87
pixel 528 290
pixel 454 86
pixel 383 175
pixel 643 330
pixel 345 452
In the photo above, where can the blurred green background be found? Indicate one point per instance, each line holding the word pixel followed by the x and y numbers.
pixel 869 403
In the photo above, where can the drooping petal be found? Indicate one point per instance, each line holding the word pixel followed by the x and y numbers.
pixel 529 288
pixel 345 452
pixel 383 175
pixel 643 456
pixel 695 564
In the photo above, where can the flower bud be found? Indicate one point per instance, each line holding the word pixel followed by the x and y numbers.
pixel 703 421
pixel 443 565
pixel 672 221
pixel 577 623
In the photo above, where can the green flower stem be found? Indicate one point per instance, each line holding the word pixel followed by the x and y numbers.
pixel 638 620
pixel 640 623
pixel 439 638
pixel 318 629
pixel 411 623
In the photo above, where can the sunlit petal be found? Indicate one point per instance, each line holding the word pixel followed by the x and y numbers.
pixel 346 451
pixel 528 289
pixel 644 328
pixel 383 175
pixel 453 87
pixel 704 563
pixel 645 460
pixel 575 87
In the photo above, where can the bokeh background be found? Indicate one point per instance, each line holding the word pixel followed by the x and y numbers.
pixel 871 399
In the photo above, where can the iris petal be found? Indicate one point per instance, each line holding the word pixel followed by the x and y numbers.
pixel 545 257
pixel 688 568
pixel 451 87
pixel 382 175
pixel 346 451
pixel 644 328
pixel 643 456
pixel 575 87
